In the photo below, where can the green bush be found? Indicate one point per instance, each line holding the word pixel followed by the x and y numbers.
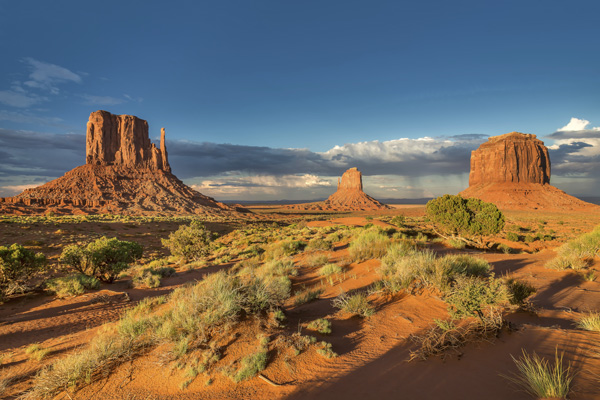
pixel 468 218
pixel 512 236
pixel 330 269
pixel 103 258
pixel 16 266
pixel 398 220
pixel 320 325
pixel 252 365
pixel 190 243
pixel 399 269
pixel 72 285
pixel 518 291
pixel 471 295
pixel 319 244
pixel 151 277
pixel 356 304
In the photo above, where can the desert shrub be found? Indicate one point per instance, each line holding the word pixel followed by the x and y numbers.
pixel 16 266
pixel 319 244
pixel 512 236
pixel 577 253
pixel 326 350
pixel 252 365
pixel 518 291
pixel 356 304
pixel 467 218
pixel 398 220
pixel 151 277
pixel 402 266
pixel 541 378
pixel 446 336
pixel 471 295
pixel 190 243
pixel 590 322
pixel 103 258
pixel 371 243
pixel 266 293
pixel 72 285
pixel 316 260
pixel 282 267
pixel 307 296
pixel 330 269
pixel 320 325
pixel 456 244
pixel 284 248
pixel 465 265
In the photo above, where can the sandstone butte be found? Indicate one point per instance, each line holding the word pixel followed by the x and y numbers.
pixel 348 197
pixel 513 172
pixel 125 173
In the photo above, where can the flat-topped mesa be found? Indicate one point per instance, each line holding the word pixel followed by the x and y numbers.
pixel 351 180
pixel 514 157
pixel 123 140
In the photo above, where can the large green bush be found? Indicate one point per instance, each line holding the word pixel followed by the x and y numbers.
pixel 103 258
pixel 190 243
pixel 16 265
pixel 470 219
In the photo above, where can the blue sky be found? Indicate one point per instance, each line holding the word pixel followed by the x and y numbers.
pixel 312 75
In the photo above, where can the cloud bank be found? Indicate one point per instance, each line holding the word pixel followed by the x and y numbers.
pixel 404 167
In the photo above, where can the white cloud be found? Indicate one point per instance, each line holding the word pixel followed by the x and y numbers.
pixel 47 76
pixel 12 190
pixel 102 100
pixel 18 99
pixel 576 125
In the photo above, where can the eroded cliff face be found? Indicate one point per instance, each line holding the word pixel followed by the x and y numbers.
pixel 513 172
pixel 123 140
pixel 514 157
pixel 348 197
pixel 124 173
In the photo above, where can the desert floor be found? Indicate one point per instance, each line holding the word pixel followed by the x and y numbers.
pixel 372 352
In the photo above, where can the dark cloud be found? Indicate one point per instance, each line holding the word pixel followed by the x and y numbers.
pixel 585 134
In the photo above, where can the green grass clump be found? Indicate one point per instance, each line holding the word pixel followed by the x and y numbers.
pixel 590 322
pixel 356 304
pixel 326 350
pixel 72 285
pixel 577 253
pixel 151 277
pixel 369 244
pixel 252 365
pixel 319 244
pixel 307 296
pixel 400 268
pixel 543 379
pixel 320 325
pixel 317 260
pixel 456 243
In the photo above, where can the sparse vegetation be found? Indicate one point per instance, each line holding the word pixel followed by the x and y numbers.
pixel 519 291
pixel 320 325
pixel 72 285
pixel 371 243
pixel 355 303
pixel 590 322
pixel 543 379
pixel 577 253
pixel 36 352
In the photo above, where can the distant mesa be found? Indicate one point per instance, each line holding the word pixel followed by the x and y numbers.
pixel 348 197
pixel 513 172
pixel 125 173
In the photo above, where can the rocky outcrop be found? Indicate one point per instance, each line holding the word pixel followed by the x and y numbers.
pixel 348 197
pixel 123 140
pixel 124 174
pixel 514 157
pixel 513 172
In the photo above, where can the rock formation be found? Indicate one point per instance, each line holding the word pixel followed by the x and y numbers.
pixel 124 173
pixel 348 197
pixel 513 172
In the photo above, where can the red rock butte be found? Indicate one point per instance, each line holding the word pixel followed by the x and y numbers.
pixel 125 173
pixel 513 172
pixel 348 197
